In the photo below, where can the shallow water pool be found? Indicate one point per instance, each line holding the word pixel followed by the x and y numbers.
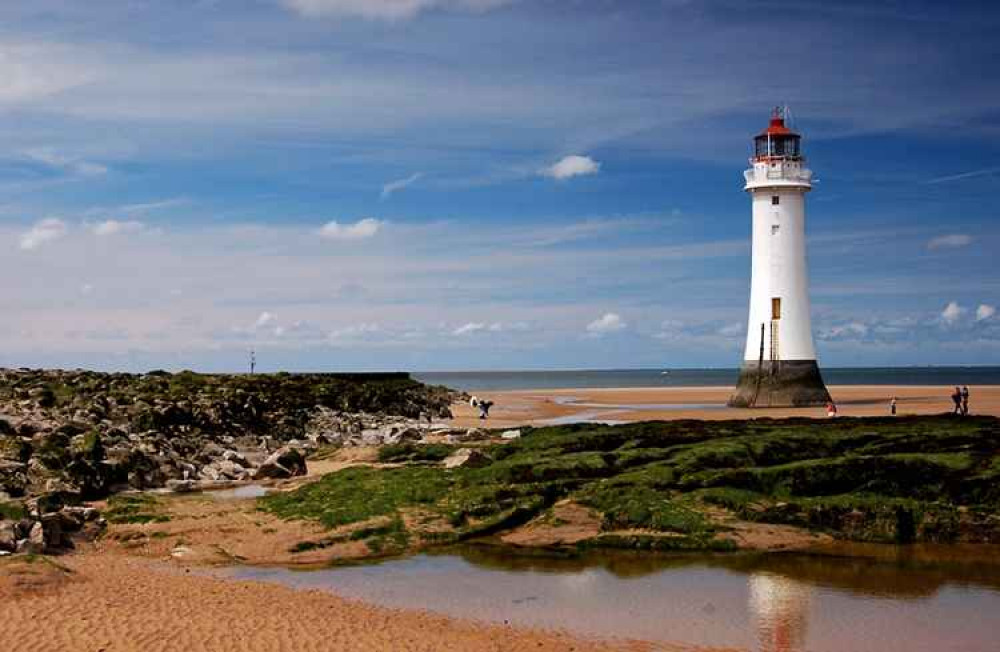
pixel 889 599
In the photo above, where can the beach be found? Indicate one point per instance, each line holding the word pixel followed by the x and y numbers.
pixel 513 408
pixel 103 600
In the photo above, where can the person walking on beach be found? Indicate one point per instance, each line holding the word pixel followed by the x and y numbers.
pixel 965 400
pixel 484 408
pixel 892 406
pixel 831 409
pixel 956 398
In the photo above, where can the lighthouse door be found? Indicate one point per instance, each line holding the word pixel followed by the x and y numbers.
pixel 775 318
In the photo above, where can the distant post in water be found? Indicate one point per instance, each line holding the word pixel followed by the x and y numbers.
pixel 779 363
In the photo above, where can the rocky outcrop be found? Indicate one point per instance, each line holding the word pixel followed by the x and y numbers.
pixel 72 436
pixel 39 531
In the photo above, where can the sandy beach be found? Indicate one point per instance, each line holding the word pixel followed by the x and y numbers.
pixel 548 406
pixel 102 600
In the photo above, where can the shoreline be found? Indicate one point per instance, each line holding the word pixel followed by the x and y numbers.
pixel 531 407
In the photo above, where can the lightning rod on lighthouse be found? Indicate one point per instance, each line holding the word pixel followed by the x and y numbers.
pixel 779 363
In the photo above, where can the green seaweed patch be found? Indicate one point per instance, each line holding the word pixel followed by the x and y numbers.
pixel 134 508
pixel 358 494
pixel 410 452
pixel 638 506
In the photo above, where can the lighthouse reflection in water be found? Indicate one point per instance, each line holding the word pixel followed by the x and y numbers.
pixel 780 608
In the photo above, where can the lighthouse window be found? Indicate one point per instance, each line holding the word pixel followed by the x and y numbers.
pixel 775 200
pixel 776 308
pixel 775 228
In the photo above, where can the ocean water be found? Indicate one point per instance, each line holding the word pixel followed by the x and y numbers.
pixel 505 380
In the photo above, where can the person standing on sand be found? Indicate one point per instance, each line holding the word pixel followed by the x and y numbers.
pixel 831 409
pixel 956 398
pixel 484 408
pixel 965 400
pixel 892 406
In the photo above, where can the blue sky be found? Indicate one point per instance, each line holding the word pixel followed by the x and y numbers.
pixel 485 184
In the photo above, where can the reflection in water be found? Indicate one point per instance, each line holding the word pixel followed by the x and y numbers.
pixel 883 599
pixel 780 607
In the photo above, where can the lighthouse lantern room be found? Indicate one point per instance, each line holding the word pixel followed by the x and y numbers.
pixel 779 364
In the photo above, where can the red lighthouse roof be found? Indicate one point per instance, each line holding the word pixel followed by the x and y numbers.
pixel 777 126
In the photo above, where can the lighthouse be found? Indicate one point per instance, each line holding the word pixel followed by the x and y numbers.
pixel 779 363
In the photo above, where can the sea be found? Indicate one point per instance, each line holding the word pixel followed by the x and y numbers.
pixel 582 379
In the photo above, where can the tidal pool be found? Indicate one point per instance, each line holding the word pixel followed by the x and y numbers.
pixel 241 492
pixel 878 598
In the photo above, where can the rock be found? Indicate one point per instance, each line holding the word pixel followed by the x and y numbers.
pixel 35 541
pixel 475 434
pixel 53 531
pixel 466 458
pixel 8 536
pixel 284 463
pixel 181 486
pixel 236 458
pixel 510 434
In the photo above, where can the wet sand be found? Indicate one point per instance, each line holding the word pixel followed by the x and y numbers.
pixel 113 602
pixel 548 406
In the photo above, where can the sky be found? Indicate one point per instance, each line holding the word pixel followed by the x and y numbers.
pixel 486 184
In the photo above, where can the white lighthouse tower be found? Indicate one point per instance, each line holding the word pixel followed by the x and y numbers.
pixel 779 364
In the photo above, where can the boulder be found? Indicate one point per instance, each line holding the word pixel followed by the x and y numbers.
pixel 475 434
pixel 182 486
pixel 510 434
pixel 8 536
pixel 466 458
pixel 284 463
pixel 34 543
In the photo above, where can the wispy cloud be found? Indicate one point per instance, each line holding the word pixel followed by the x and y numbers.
pixel 360 230
pixel 985 311
pixel 572 166
pixel 950 241
pixel 471 327
pixel 964 175
pixel 69 164
pixel 395 186
pixel 115 227
pixel 42 232
pixel 384 9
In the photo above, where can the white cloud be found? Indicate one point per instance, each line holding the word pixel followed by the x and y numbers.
pixel 572 166
pixel 265 320
pixel 950 241
pixel 384 9
pixel 399 184
pixel 360 230
pixel 471 327
pixel 114 227
pixel 42 232
pixel 608 323
pixel 845 331
pixel 70 164
pixel 952 312
pixel 984 312
pixel 355 331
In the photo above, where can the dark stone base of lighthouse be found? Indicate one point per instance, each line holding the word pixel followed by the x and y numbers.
pixel 787 383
